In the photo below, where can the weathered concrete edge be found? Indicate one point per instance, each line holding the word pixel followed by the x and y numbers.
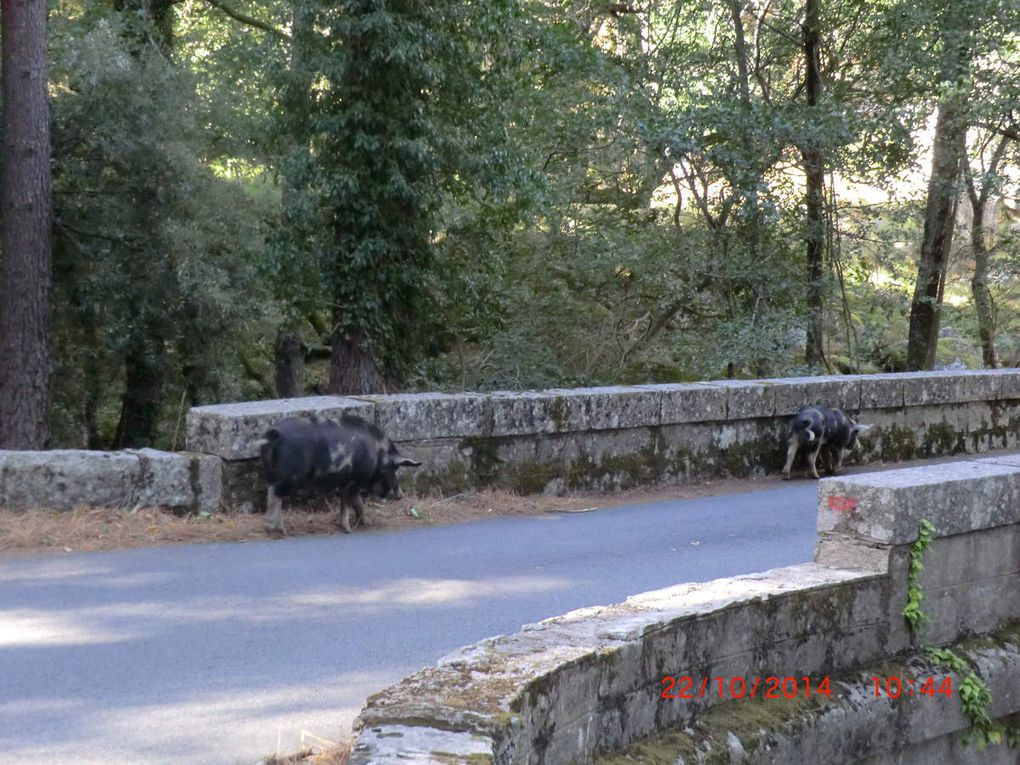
pixel 856 723
pixel 67 478
pixel 577 635
pixel 232 431
pixel 887 507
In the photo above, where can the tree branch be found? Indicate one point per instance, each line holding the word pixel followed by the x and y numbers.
pixel 250 21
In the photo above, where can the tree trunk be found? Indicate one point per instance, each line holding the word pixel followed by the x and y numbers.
pixel 979 289
pixel 289 362
pixel 751 181
pixel 351 369
pixel 143 392
pixel 949 151
pixel 814 169
pixel 93 378
pixel 25 229
pixel 979 196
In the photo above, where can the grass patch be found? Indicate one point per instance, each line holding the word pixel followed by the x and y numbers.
pixel 88 529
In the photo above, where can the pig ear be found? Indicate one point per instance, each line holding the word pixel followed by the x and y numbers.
pixel 408 463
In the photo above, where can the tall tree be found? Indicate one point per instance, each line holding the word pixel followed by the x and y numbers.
pixel 966 39
pixel 814 171
pixel 25 229
pixel 980 190
pixel 384 79
pixel 948 155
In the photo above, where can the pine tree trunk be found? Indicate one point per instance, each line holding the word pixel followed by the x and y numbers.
pixel 289 362
pixel 25 229
pixel 351 369
pixel 143 392
pixel 814 169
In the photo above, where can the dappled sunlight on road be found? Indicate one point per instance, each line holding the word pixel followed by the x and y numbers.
pixel 122 621
pixel 424 591
pixel 44 628
pixel 219 724
pixel 48 569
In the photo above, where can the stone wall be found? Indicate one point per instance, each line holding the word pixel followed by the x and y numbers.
pixel 574 686
pixel 606 438
pixel 62 479
pixel 544 441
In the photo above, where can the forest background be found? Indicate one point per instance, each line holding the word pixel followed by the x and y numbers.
pixel 261 198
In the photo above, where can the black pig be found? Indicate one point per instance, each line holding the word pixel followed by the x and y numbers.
pixel 818 426
pixel 310 453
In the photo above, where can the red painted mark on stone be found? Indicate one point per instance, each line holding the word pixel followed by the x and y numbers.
pixel 842 504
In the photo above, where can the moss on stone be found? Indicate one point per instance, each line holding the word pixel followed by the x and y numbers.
pixel 532 477
pixel 243 483
pixel 645 466
pixel 668 749
pixel 941 439
pixel 559 413
pixel 742 459
pixel 824 610
pixel 452 479
pixel 898 444
pixel 484 454
pixel 705 741
pixel 448 758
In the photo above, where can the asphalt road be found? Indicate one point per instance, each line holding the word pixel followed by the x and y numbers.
pixel 208 654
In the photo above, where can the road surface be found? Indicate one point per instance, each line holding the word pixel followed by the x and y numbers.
pixel 220 653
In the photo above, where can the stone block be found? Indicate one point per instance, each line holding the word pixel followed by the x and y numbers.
pixel 748 398
pixel 845 553
pixel 234 431
pixel 244 488
pixel 834 391
pixel 179 480
pixel 881 391
pixel 421 416
pixel 66 478
pixel 446 466
pixel 887 507
pixel 607 408
pixel 422 745
pixel 525 413
pixel 920 388
pixel 207 481
pixel 1008 383
pixel 61 479
pixel 689 402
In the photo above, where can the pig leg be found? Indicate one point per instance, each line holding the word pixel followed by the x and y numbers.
pixel 838 463
pixel 347 501
pixel 359 507
pixel 274 512
pixel 345 516
pixel 791 453
pixel 813 460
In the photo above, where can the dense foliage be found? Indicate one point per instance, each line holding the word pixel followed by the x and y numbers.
pixel 465 195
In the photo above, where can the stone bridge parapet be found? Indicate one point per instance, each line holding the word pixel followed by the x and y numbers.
pixel 548 441
pixel 571 688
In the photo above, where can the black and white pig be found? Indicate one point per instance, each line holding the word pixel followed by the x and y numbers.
pixel 351 457
pixel 818 426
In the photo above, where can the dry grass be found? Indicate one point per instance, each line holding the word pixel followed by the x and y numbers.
pixel 85 529
pixel 331 754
